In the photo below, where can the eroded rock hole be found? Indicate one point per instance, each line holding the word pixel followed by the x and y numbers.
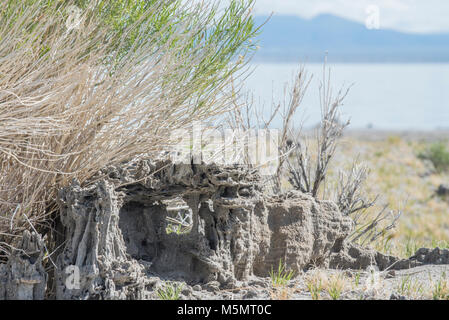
pixel 141 226
pixel 179 217
pixel 229 192
pixel 161 235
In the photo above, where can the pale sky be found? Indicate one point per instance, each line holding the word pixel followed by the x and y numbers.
pixel 405 15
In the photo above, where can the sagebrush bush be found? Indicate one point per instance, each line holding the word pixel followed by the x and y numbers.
pixel 107 87
pixel 438 154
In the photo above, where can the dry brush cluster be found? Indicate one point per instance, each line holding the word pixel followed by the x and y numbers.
pixel 86 84
pixel 305 156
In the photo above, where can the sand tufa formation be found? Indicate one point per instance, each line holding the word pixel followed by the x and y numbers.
pixel 114 240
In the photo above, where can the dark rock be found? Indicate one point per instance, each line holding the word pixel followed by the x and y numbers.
pixel 395 296
pixel 212 286
pixel 352 256
pixel 443 190
pixel 251 294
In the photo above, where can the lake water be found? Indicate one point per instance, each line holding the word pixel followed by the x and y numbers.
pixel 382 96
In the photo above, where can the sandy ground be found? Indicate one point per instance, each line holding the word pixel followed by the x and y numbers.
pixel 401 180
pixel 380 135
pixel 419 283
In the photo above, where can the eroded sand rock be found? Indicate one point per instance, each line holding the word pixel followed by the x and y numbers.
pixel 116 229
pixel 352 256
pixel 116 245
pixel 302 231
pixel 24 277
pixel 429 256
pixel 94 263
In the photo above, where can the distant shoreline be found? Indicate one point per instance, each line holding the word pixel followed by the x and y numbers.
pixel 331 59
pixel 383 134
pixel 411 135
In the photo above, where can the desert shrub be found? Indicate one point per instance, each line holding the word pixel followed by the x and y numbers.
pixel 353 201
pixel 307 169
pixel 305 157
pixel 108 88
pixel 247 116
pixel 438 154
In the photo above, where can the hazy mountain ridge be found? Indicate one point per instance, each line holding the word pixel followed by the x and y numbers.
pixel 291 38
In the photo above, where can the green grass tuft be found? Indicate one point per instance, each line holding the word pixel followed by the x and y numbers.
pixel 281 277
pixel 170 291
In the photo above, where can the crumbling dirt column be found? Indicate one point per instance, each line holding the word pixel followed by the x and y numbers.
pixel 23 277
pixel 94 263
